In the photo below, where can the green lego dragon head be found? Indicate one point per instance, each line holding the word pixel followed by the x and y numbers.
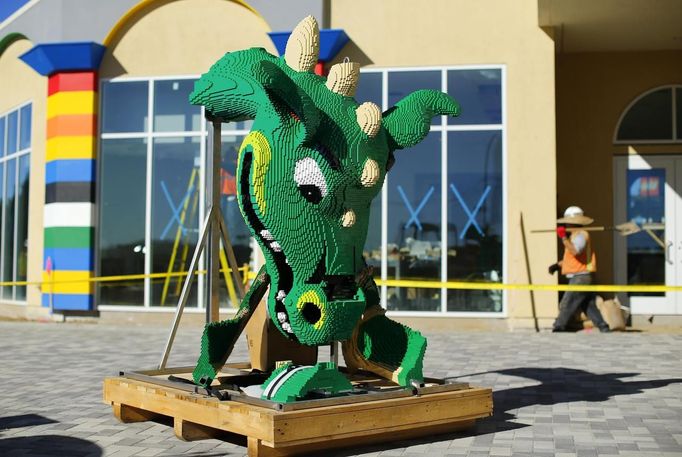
pixel 308 171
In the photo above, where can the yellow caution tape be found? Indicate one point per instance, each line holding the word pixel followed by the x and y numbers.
pixel 548 287
pixel 462 285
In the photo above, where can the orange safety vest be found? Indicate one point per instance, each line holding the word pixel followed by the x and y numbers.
pixel 586 261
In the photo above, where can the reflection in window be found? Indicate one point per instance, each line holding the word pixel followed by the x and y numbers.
pixel 646 208
pixel 172 111
pixel 122 214
pixel 15 144
pixel 124 106
pixel 174 202
pixel 25 131
pixel 414 219
pixel 678 113
pixel 475 218
pixel 21 262
pixel 3 122
pixel 649 118
pixel 12 132
pixel 479 92
pixel 369 88
pixel 403 83
pixel 240 237
pixel 175 214
pixel 9 198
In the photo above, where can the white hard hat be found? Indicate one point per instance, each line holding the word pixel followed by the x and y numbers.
pixel 575 215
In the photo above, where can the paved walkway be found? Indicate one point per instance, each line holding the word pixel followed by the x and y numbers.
pixel 555 394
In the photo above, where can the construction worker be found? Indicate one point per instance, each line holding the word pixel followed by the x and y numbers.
pixel 578 264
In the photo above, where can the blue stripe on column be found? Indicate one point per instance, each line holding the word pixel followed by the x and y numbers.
pixel 72 259
pixel 73 170
pixel 69 302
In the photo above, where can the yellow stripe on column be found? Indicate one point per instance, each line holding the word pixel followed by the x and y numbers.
pixel 68 282
pixel 70 147
pixel 71 102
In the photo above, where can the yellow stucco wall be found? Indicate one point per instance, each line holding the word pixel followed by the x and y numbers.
pixel 410 33
pixel 182 37
pixel 21 84
pixel 593 89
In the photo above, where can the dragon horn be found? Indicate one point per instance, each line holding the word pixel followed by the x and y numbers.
pixel 303 46
pixel 408 122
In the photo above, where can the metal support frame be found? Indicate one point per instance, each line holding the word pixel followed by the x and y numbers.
pixel 213 230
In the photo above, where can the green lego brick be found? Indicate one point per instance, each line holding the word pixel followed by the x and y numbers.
pixel 391 344
pixel 306 176
pixel 69 237
pixel 290 383
pixel 218 338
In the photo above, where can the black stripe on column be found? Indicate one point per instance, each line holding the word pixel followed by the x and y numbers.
pixel 70 192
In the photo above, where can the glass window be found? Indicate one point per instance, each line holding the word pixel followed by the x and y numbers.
pixel 479 92
pixel 12 131
pixel 369 88
pixel 172 110
pixel 8 235
pixel 650 118
pixel 372 249
pixel 646 208
pixel 402 83
pixel 124 106
pixel 2 136
pixel 414 218
pixel 25 122
pixel 678 113
pixel 2 212
pixel 474 252
pixel 175 217
pixel 15 138
pixel 240 237
pixel 122 218
pixel 21 264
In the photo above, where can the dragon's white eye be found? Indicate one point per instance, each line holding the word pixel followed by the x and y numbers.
pixel 310 180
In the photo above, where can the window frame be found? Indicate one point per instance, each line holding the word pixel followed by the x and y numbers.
pixel 4 159
pixel 676 136
pixel 150 135
pixel 444 128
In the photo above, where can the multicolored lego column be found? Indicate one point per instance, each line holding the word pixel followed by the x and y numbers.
pixel 70 170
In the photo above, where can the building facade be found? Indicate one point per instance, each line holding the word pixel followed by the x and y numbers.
pixel 103 162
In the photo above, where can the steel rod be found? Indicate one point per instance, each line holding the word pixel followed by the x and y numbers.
pixel 186 287
pixel 213 202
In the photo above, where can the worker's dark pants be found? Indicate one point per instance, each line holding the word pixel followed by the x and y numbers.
pixel 572 301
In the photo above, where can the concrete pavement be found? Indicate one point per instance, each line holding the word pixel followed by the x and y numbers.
pixel 559 395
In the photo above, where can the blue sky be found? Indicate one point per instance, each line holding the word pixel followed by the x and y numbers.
pixel 7 7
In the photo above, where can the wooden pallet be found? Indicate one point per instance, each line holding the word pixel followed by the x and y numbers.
pixel 384 413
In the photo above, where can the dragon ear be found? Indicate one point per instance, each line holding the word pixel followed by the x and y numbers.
pixel 287 98
pixel 408 122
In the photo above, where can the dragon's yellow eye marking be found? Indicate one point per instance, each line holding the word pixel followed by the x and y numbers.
pixel 313 297
pixel 262 155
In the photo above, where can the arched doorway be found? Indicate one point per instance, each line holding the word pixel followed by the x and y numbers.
pixel 648 193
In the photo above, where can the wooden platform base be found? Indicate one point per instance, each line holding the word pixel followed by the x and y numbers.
pixel 383 414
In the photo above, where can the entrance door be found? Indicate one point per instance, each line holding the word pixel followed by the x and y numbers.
pixel 648 190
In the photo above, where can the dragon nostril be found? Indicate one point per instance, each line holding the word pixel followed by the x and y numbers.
pixel 311 312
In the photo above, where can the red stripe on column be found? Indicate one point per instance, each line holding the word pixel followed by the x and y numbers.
pixel 79 81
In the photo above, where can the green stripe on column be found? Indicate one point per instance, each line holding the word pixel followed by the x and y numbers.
pixel 69 237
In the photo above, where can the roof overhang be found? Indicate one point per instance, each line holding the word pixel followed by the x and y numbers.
pixel 612 25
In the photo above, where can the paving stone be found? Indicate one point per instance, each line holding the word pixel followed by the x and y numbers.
pixel 550 398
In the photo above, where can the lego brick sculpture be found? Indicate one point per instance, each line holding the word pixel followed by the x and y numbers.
pixel 307 173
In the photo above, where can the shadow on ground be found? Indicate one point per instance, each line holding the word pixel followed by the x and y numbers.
pixel 44 445
pixel 557 385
